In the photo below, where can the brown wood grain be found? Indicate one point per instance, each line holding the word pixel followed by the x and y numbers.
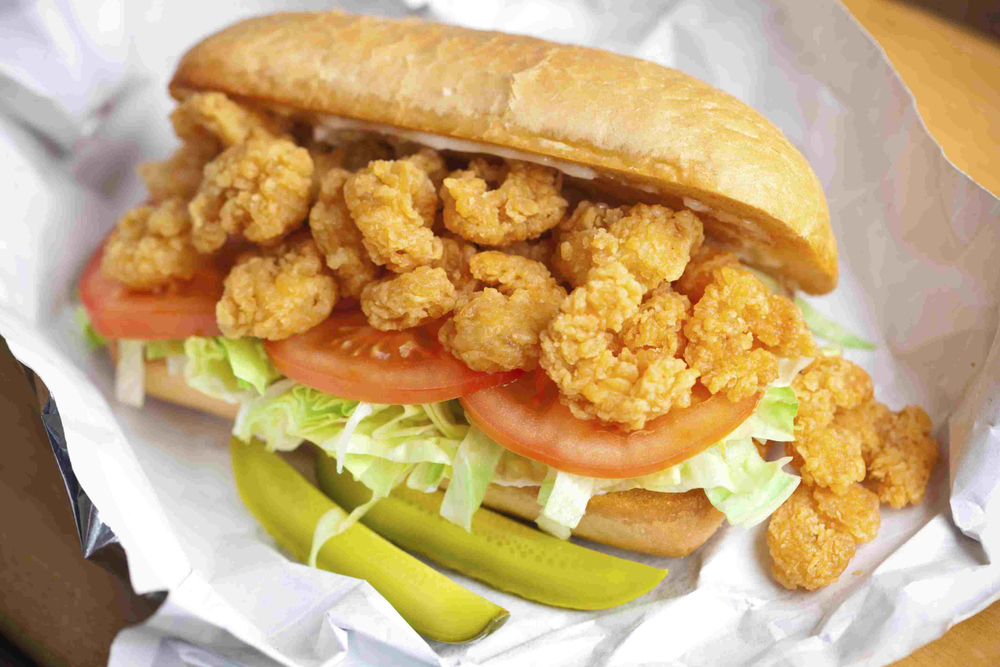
pixel 954 75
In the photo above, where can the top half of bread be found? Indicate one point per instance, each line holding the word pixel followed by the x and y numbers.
pixel 650 133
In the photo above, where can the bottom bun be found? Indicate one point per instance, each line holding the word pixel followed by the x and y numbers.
pixel 663 524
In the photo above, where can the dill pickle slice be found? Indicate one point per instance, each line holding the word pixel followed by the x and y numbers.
pixel 288 507
pixel 504 553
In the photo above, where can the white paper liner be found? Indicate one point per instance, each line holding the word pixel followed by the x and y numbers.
pixel 918 276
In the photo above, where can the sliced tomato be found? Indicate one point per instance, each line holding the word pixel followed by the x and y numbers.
pixel 346 357
pixel 527 418
pixel 119 312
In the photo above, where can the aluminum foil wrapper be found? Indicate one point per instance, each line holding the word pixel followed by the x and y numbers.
pixel 918 241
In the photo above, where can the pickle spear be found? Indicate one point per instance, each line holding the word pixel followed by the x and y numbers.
pixel 288 507
pixel 504 553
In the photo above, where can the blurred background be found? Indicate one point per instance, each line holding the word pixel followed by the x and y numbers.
pixel 56 608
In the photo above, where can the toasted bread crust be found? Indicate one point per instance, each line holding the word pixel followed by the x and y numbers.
pixel 649 132
pixel 664 524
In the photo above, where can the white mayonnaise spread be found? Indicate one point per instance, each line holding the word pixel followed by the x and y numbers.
pixel 326 126
pixel 722 216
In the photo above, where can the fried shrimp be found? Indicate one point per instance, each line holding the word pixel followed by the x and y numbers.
pixel 659 322
pixel 736 311
pixel 151 247
pixel 813 535
pixel 499 327
pixel 277 292
pixel 827 449
pixel 431 163
pixel 393 203
pixel 653 242
pixel 180 174
pixel 540 250
pixel 580 352
pixel 699 272
pixel 409 299
pixel 339 238
pixel 213 116
pixel 455 257
pixel 259 190
pixel 901 466
pixel 524 201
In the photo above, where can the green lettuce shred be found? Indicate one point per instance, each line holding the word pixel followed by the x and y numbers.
pixel 94 340
pixel 472 471
pixel 163 349
pixel 827 329
pixel 233 370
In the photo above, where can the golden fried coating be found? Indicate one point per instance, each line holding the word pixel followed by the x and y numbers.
pixel 393 203
pixel 829 457
pixel 259 190
pixel 659 322
pixel 431 163
pixel 813 535
pixel 277 292
pixel 523 204
pixel 700 271
pixel 540 250
pixel 575 237
pixel 180 174
pixel 339 238
pixel 596 375
pixel 653 242
pixel 900 468
pixel 498 328
pixel 827 449
pixel 455 257
pixel 409 299
pixel 151 246
pixel 213 116
pixel 825 385
pixel 861 421
pixel 735 310
pixel 856 510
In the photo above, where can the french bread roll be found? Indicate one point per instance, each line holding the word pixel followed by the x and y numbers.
pixel 664 524
pixel 639 130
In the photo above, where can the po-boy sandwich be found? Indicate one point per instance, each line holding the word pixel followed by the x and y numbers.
pixel 555 280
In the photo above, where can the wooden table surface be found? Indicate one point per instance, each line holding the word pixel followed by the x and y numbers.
pixel 954 74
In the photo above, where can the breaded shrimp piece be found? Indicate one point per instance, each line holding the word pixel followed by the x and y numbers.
pixel 498 328
pixel 829 457
pixel 180 174
pixel 901 466
pixel 700 271
pixel 827 450
pixel 861 421
pixel 813 535
pixel 214 116
pixel 735 310
pixel 659 322
pixel 653 242
pixel 524 201
pixel 277 292
pixel 409 299
pixel 575 236
pixel 596 375
pixel 431 163
pixel 339 238
pixel 455 257
pixel 540 250
pixel 151 246
pixel 260 190
pixel 393 203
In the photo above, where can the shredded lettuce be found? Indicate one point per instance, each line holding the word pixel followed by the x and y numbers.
pixel 472 469
pixel 235 371
pixel 130 373
pixel 382 446
pixel 773 419
pixel 827 329
pixel 94 339
pixel 164 349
